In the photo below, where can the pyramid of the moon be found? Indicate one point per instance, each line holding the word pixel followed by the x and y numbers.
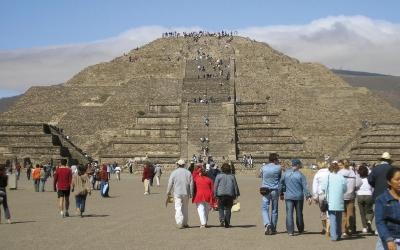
pixel 176 97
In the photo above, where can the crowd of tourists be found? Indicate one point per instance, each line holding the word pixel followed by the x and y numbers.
pixel 198 34
pixel 336 187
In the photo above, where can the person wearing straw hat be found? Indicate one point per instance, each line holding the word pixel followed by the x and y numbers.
pixel 377 177
pixel 181 181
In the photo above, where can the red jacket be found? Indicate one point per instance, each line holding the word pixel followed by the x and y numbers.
pixel 204 187
pixel 147 174
pixel 62 178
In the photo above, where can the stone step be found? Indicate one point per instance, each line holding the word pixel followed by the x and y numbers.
pixel 17 139
pixel 121 159
pixel 153 132
pixel 27 128
pixel 164 108
pixel 380 144
pixel 380 138
pixel 243 120
pixel 386 126
pixel 270 140
pixel 35 150
pixel 271 147
pixel 375 150
pixel 152 148
pixel 263 155
pixel 262 132
pixel 261 126
pixel 150 121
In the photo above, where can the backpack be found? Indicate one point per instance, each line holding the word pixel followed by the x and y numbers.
pixel 36 174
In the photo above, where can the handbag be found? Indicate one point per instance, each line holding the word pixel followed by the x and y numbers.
pixel 324 203
pixel 236 207
pixel 265 191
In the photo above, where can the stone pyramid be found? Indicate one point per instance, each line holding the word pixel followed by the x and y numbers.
pixel 146 103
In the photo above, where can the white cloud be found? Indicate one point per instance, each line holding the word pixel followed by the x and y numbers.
pixel 356 43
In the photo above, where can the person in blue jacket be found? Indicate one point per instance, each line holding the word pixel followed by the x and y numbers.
pixel 294 189
pixel 334 188
pixel 387 213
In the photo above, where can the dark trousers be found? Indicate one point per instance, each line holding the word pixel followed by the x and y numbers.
pixel 225 204
pixel 36 184
pixel 80 201
pixel 292 205
pixel 365 204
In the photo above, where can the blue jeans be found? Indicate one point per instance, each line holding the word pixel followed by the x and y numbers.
pixel 5 206
pixel 290 206
pixel 42 184
pixel 102 184
pixel 335 220
pixel 267 200
pixel 80 201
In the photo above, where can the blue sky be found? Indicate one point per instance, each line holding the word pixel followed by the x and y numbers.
pixel 32 23
pixel 44 42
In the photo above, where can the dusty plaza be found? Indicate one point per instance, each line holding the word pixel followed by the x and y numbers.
pixel 130 220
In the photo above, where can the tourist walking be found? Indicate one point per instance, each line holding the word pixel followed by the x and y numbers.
pixel 378 174
pixel 365 200
pixel 62 183
pixel 118 172
pixel 158 173
pixel 270 175
pixel 387 213
pixel 43 179
pixel 28 171
pixel 181 182
pixel 81 187
pixel 104 185
pixel 146 177
pixel 18 169
pixel 349 213
pixel 36 177
pixel 3 194
pixel 294 189
pixel 203 196
pixel 318 194
pixel 226 190
pixel 334 188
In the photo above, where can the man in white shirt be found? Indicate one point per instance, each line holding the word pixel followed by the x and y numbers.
pixel 181 181
pixel 318 194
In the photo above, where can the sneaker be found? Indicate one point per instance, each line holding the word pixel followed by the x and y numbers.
pixel 291 234
pixel 62 214
pixel 345 235
pixel 267 229
pixel 186 226
pixel 203 226
pixel 66 214
pixel 221 223
pixel 179 226
pixel 146 193
pixel 323 231
pixel 364 230
pixel 9 221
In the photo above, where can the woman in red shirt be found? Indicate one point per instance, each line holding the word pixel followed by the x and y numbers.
pixel 204 195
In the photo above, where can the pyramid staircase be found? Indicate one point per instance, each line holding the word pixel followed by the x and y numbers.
pixel 155 137
pixel 260 133
pixel 379 138
pixel 37 141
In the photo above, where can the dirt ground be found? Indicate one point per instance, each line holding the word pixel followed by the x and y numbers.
pixel 130 220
